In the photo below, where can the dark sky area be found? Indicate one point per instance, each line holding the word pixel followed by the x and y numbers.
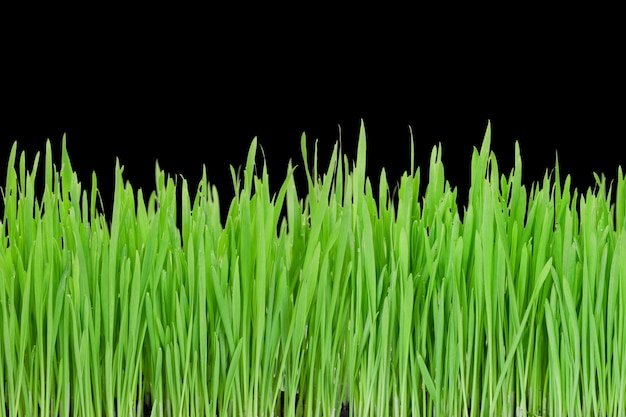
pixel 191 92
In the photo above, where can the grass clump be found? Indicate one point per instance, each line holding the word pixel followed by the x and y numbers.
pixel 347 301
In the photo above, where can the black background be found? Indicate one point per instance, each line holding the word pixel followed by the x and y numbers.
pixel 194 87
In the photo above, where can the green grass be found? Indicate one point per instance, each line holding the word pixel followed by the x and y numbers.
pixel 513 306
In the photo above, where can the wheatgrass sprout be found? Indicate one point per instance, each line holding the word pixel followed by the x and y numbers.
pixel 349 303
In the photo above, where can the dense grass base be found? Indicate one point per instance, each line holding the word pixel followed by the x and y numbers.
pixel 516 306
